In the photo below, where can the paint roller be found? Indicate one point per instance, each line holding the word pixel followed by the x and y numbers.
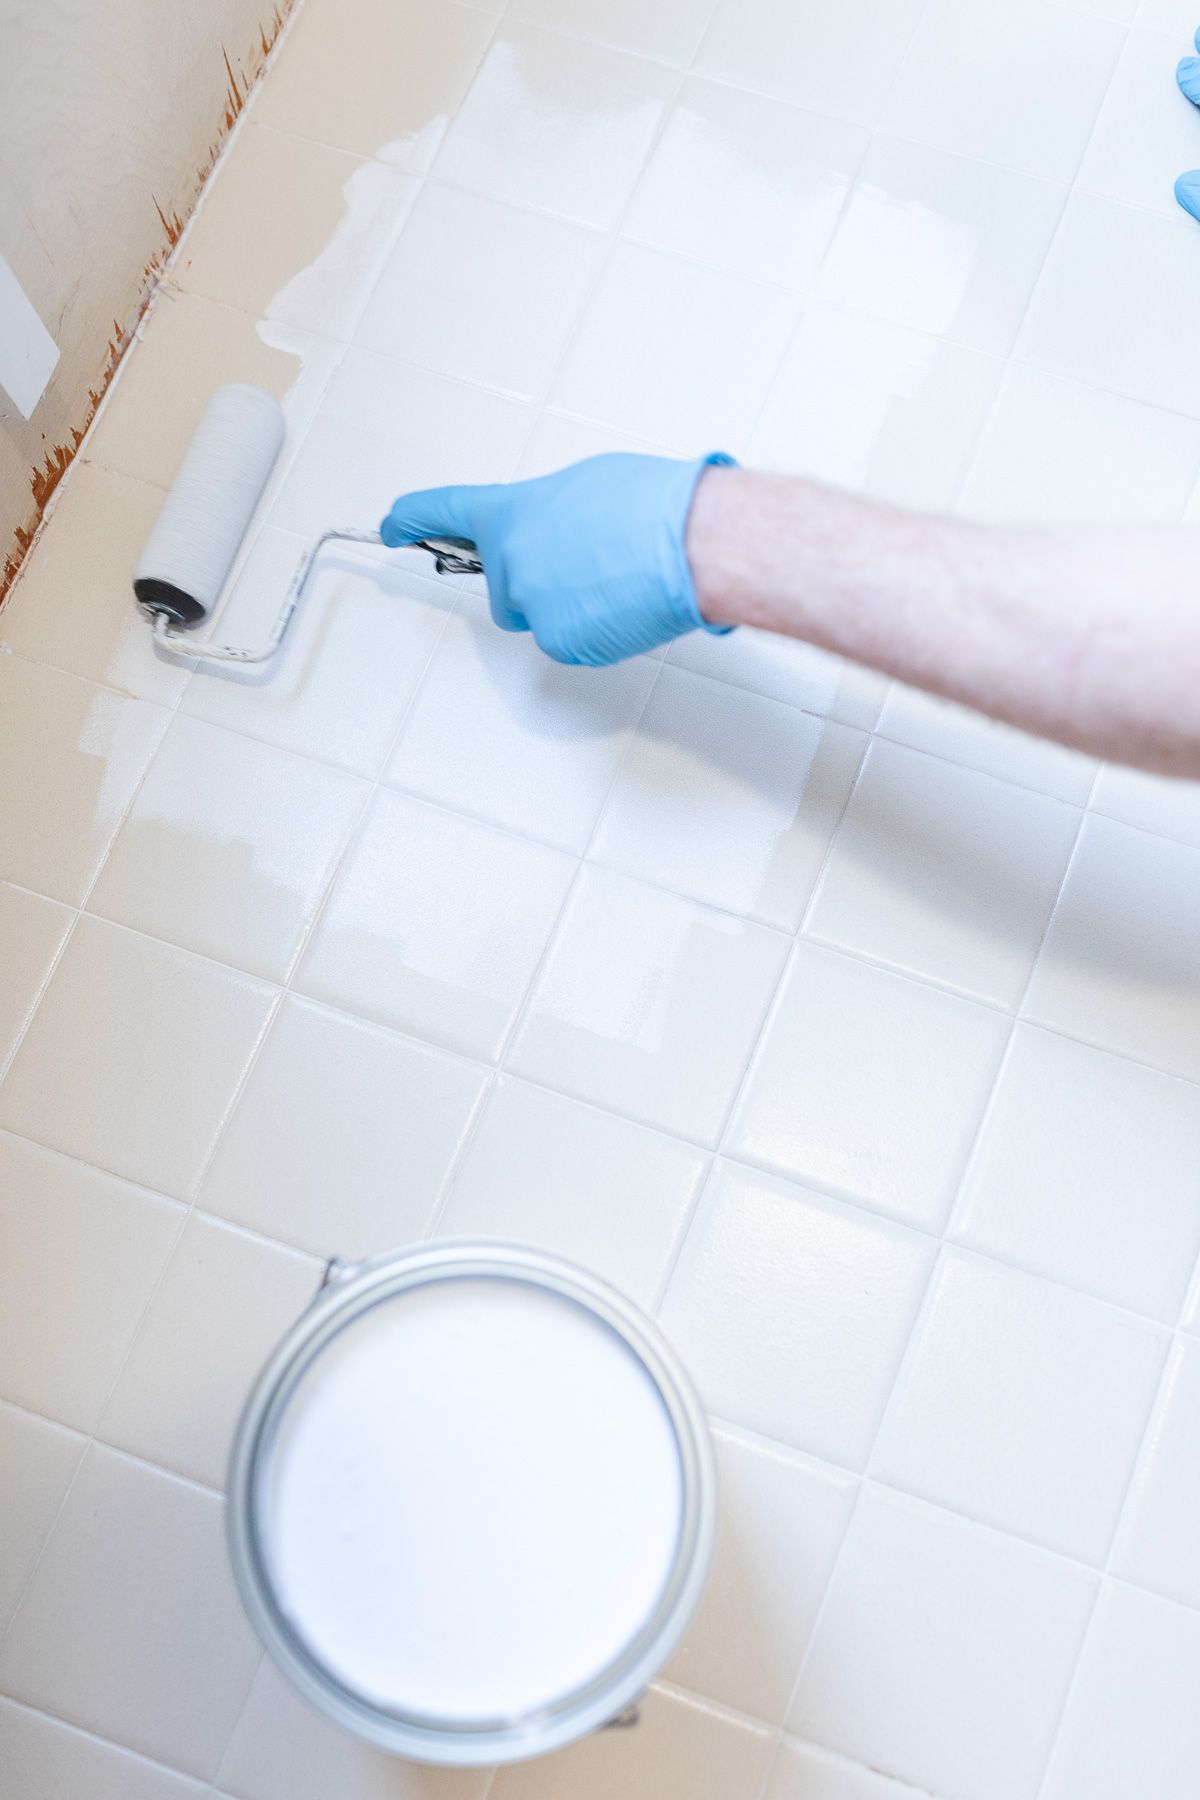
pixel 183 569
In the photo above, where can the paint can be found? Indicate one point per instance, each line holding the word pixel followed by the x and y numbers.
pixel 471 1503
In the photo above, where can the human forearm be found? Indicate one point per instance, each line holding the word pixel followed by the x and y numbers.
pixel 1089 636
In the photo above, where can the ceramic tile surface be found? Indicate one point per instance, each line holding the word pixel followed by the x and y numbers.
pixel 853 1036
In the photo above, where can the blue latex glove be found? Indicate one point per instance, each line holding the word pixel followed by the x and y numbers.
pixel 1187 188
pixel 591 560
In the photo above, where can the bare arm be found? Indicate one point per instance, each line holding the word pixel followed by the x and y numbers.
pixel 1090 636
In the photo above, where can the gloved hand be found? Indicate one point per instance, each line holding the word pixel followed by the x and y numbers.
pixel 1187 188
pixel 591 559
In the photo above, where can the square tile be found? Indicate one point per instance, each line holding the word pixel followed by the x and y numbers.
pixel 876 408
pixel 83 1254
pixel 869 1086
pixel 1159 803
pixel 81 750
pixel 680 1746
pixel 508 332
pixel 557 124
pixel 294 230
pixel 651 324
pixel 1145 132
pixel 392 102
pixel 1131 1726
pixel 729 797
pixel 749 185
pixel 46 1757
pixel 354 1178
pixel 32 931
pixel 901 1676
pixel 943 95
pixel 596 1189
pixel 942 244
pixel 782 1519
pixel 503 732
pixel 383 429
pixel 925 722
pixel 648 1004
pixel 1086 1172
pixel 669 30
pixel 134 1056
pixel 1056 452
pixel 839 60
pixel 945 873
pixel 1158 1545
pixel 1113 304
pixel 228 847
pixel 1121 964
pixel 802 1772
pixel 132 1627
pixel 435 925
pixel 223 1305
pixel 73 607
pixel 38 1461
pixel 283 1749
pixel 782 668
pixel 1022 1404
pixel 792 1311
pixel 351 663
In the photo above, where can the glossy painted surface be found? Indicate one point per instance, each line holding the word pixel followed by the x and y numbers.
pixel 856 1036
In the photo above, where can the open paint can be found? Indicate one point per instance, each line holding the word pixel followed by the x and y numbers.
pixel 471 1503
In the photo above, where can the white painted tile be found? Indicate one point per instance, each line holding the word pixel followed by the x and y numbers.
pixel 902 1677
pixel 1013 106
pixel 670 29
pixel 132 1627
pixel 321 1150
pixel 38 1461
pixel 781 1526
pixel 558 124
pixel 876 408
pixel 840 60
pixel 1086 1172
pixel 435 925
pixel 1113 305
pixel 1158 1545
pixel 1168 15
pixel 869 1085
pixel 508 332
pixel 351 661
pixel 942 243
pixel 1022 1404
pixel 283 1749
pixel 45 1757
pixel 783 668
pixel 747 184
pixel 648 1004
pixel 651 327
pixel 583 1184
pixel 1145 132
pixel 133 1056
pixel 792 1311
pixel 73 607
pixel 729 797
pixel 32 931
pixel 1157 803
pixel 1131 1724
pixel 680 1744
pixel 924 722
pixel 81 750
pixel 223 1305
pixel 82 1255
pixel 383 429
pixel 505 733
pixel 1056 452
pixel 944 873
pixel 557 440
pixel 228 847
pixel 802 1772
pixel 1121 965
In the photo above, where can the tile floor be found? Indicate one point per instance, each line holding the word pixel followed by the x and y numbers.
pixel 857 1036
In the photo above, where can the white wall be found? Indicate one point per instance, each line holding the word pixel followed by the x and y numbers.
pixel 111 112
